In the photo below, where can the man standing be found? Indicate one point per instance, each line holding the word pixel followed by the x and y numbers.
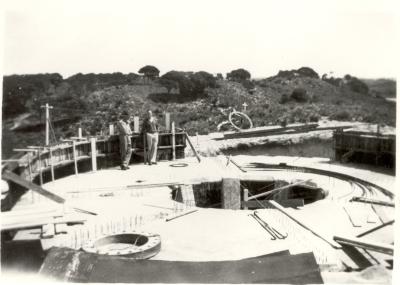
pixel 125 144
pixel 150 130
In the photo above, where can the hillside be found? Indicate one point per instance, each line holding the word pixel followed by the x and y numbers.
pixel 93 101
pixel 382 87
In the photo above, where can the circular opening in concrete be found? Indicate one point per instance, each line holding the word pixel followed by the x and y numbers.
pixel 121 240
pixel 133 245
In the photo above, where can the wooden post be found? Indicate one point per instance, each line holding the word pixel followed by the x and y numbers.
pixel 167 122
pixel 30 175
pixel 136 124
pixel 245 198
pixel 94 153
pixel 79 133
pixel 51 164
pixel 144 149
pixel 40 168
pixel 111 127
pixel 173 141
pixel 75 158
pixel 231 193
pixel 47 107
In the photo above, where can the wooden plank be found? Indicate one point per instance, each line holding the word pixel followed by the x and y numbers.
pixel 8 175
pixel 353 217
pixel 269 130
pixel 24 150
pixel 234 163
pixel 191 145
pixel 181 215
pixel 273 191
pixel 365 244
pixel 371 201
pixel 266 203
pixel 303 224
pixel 381 213
pixel 41 222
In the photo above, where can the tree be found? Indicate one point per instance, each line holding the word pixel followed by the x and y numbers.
pixel 182 80
pixel 168 84
pixel 308 72
pixel 238 75
pixel 201 80
pixel 149 71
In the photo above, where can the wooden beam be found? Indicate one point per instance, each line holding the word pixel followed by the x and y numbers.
pixel 301 223
pixel 8 175
pixel 375 229
pixel 191 145
pixel 277 189
pixel 365 244
pixel 371 201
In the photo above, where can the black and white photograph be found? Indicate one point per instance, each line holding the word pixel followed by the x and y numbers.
pixel 199 142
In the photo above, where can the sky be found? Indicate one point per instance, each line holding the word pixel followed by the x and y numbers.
pixel 344 37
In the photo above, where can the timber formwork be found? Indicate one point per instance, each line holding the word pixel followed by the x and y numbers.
pixel 43 164
pixel 365 147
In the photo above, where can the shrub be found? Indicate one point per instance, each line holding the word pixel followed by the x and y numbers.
pixel 284 99
pixel 357 85
pixel 314 118
pixel 341 116
pixel 299 95
pixel 238 75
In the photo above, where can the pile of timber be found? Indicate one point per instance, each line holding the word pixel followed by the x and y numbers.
pixel 277 130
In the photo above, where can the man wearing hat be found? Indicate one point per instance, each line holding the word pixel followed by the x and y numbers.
pixel 125 144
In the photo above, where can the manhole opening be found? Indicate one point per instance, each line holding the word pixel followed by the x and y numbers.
pixel 310 192
pixel 128 239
